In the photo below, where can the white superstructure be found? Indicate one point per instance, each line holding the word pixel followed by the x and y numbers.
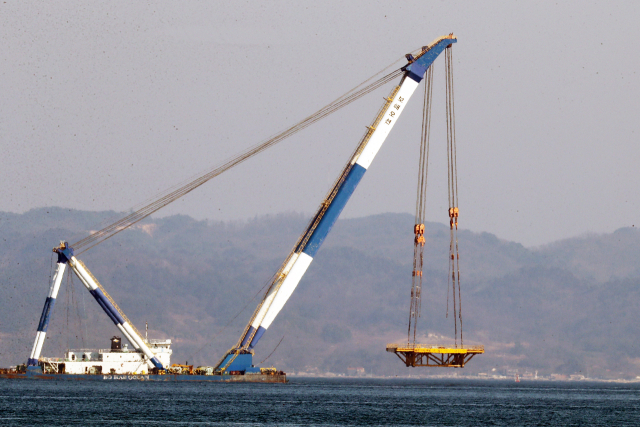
pixel 109 361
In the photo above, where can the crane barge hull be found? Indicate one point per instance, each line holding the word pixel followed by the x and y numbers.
pixel 246 378
pixel 119 363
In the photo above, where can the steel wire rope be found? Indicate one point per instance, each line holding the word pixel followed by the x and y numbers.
pixel 181 191
pixel 451 192
pixel 449 280
pixel 274 350
pixel 426 136
pixel 136 216
pixel 414 290
pixel 453 199
pixel 449 195
pixel 418 251
pixel 141 214
pixel 195 176
pixel 412 308
pixel 455 165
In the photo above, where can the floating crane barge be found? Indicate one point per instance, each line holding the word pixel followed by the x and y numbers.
pixel 150 359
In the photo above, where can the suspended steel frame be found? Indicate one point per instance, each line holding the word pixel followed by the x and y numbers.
pixel 416 355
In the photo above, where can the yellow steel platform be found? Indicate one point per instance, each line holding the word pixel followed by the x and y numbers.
pixel 436 356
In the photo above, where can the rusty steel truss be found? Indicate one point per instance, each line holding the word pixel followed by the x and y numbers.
pixel 418 355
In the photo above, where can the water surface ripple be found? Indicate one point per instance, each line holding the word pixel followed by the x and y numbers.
pixel 319 402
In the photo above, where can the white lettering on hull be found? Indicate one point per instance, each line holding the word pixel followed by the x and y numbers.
pixel 125 377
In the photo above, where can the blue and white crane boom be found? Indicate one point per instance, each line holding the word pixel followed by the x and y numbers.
pixel 65 256
pixel 298 261
pixel 46 313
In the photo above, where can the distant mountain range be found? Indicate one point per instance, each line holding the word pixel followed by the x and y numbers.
pixel 572 306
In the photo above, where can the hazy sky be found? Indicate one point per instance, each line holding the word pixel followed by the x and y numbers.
pixel 103 105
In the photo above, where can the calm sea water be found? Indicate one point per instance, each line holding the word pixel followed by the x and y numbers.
pixel 320 402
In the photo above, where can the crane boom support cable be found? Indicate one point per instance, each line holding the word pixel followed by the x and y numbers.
pixel 136 216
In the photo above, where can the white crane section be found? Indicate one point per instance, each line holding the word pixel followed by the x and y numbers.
pixel 46 313
pixel 407 87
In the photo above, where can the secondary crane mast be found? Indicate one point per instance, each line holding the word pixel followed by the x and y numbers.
pixel 65 256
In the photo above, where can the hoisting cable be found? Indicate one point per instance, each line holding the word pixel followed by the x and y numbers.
pixel 452 179
pixel 419 240
pixel 211 341
pixel 274 350
pixel 174 193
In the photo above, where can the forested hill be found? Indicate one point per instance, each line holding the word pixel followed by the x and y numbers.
pixel 568 307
